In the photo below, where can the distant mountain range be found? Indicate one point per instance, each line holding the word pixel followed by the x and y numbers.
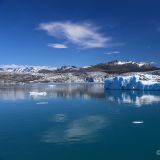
pixel 109 67
pixel 25 68
pixel 11 74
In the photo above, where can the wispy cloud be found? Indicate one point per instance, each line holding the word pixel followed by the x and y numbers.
pixel 112 52
pixel 57 45
pixel 158 29
pixel 153 62
pixel 84 35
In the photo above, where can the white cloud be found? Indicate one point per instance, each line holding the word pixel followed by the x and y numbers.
pixel 57 45
pixel 112 52
pixel 82 34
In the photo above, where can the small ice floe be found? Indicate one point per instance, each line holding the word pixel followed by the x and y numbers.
pixel 41 103
pixel 37 93
pixel 138 122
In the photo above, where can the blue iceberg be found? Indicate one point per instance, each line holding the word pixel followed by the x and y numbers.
pixel 133 82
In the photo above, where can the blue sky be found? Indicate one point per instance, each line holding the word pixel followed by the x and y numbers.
pixel 78 32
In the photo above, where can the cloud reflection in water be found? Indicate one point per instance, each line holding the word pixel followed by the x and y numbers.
pixel 83 129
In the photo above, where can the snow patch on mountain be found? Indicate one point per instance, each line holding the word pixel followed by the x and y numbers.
pixel 86 67
pixel 140 64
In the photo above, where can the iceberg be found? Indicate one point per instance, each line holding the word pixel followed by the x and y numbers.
pixel 137 122
pixel 37 93
pixel 133 82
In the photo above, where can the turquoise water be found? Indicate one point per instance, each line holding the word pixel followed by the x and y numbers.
pixel 78 122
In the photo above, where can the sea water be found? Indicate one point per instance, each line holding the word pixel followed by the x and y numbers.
pixel 78 122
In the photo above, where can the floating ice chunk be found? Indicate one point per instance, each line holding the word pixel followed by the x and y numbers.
pixel 38 93
pixel 137 122
pixel 42 102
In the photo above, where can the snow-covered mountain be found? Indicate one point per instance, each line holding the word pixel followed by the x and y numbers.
pixel 24 68
pixel 125 66
pixel 109 67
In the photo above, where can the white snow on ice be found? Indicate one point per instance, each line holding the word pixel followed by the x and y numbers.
pixel 133 82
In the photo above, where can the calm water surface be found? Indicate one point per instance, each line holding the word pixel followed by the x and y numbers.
pixel 78 122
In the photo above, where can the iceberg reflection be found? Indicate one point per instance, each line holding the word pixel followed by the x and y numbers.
pixel 42 93
pixel 137 98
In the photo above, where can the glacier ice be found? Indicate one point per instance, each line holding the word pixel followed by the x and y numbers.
pixel 133 82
